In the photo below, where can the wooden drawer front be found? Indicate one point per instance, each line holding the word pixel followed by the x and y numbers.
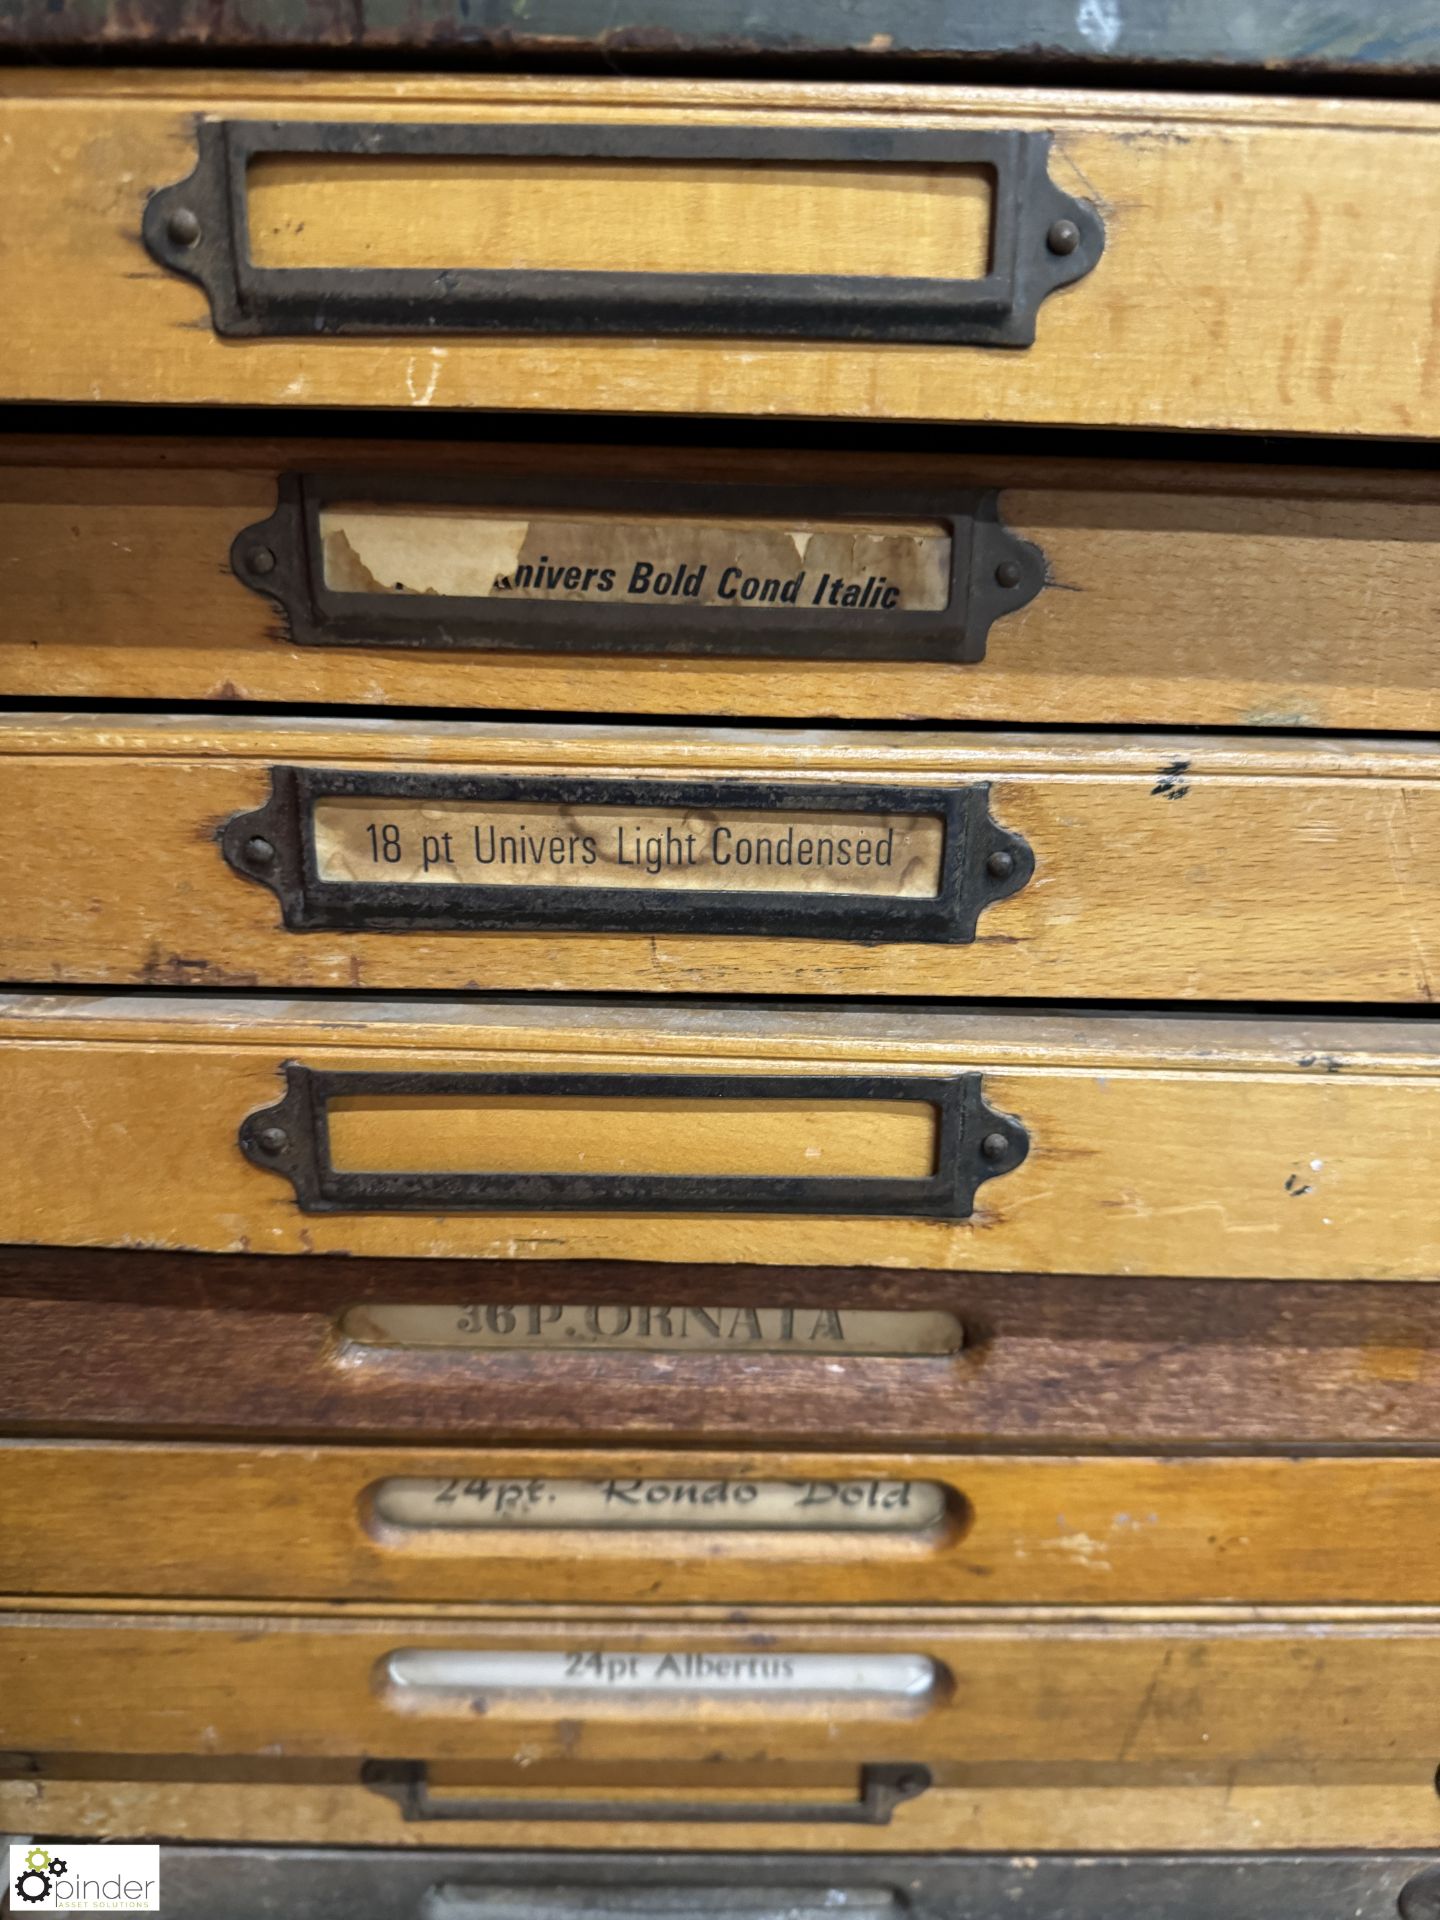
pixel 1254 1809
pixel 235 1883
pixel 651 211
pixel 941 865
pixel 1144 594
pixel 833 1529
pixel 1116 1699
pixel 105 1343
pixel 1250 1148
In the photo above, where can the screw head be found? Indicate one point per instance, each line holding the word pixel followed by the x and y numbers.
pixel 258 852
pixel 1001 864
pixel 995 1146
pixel 909 1784
pixel 183 227
pixel 1063 237
pixel 1009 573
pixel 260 560
pixel 272 1139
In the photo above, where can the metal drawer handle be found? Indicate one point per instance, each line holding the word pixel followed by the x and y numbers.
pixel 1040 239
pixel 619 1899
pixel 973 1143
pixel 882 1789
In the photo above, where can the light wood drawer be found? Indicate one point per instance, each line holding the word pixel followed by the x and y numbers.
pixel 96 1343
pixel 443 1883
pixel 208 569
pixel 588 1704
pixel 1253 1809
pixel 534 1128
pixel 298 854
pixel 720 247
pixel 592 1527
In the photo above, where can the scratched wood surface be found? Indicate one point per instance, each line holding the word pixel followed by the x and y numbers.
pixel 1117 1699
pixel 94 1343
pixel 1035 1809
pixel 1237 1148
pixel 1190 320
pixel 1172 867
pixel 1196 595
pixel 188 1521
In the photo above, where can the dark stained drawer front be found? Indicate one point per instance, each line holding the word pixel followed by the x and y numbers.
pixel 326 1883
pixel 300 854
pixel 717 247
pixel 96 1343
pixel 705 581
pixel 1397 37
pixel 542 1128
pixel 585 1526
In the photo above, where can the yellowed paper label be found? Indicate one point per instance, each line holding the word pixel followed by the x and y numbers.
pixel 748 566
pixel 538 844
pixel 627 1503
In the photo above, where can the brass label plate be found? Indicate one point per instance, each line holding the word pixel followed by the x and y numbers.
pixel 629 1328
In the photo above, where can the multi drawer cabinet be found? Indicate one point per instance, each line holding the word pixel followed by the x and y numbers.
pixel 718 1074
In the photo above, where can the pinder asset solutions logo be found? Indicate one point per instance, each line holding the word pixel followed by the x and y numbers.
pixel 84 1879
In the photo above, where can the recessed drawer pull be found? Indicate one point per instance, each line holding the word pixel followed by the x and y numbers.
pixel 328 1118
pixel 882 1789
pixel 1031 239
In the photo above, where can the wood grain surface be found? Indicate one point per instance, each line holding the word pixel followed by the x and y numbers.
pixel 1168 867
pixel 1191 320
pixel 1190 595
pixel 94 1343
pixel 1115 1699
pixel 1032 1809
pixel 1245 1148
pixel 266 1523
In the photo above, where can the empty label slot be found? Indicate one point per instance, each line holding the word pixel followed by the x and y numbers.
pixel 743 566
pixel 462 1133
pixel 626 1503
pixel 620 216
pixel 719 1902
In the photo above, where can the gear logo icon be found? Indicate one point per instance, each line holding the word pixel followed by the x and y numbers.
pixel 37 1860
pixel 34 1883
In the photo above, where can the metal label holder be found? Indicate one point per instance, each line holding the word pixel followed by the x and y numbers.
pixel 1041 239
pixel 980 863
pixel 974 1143
pixel 992 573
